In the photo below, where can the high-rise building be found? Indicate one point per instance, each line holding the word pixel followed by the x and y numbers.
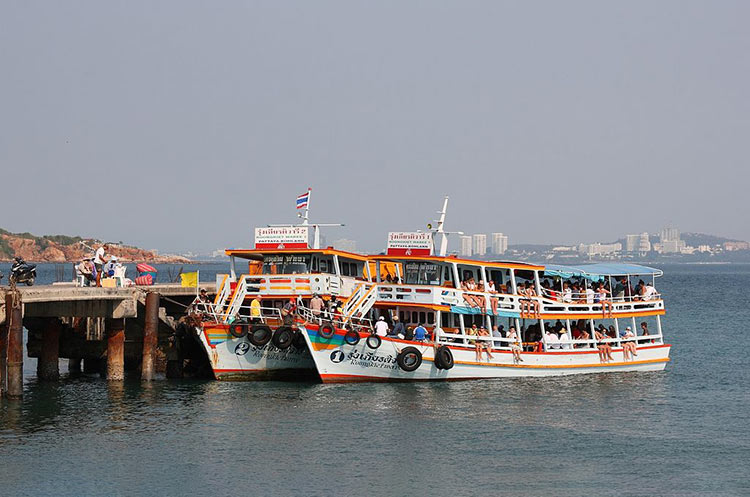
pixel 631 243
pixel 479 243
pixel 669 235
pixel 465 246
pixel 499 243
pixel 644 245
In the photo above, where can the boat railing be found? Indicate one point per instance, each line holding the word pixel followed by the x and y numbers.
pixel 210 312
pixel 337 320
pixel 582 297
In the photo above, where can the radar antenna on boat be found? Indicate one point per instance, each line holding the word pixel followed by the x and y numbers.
pixel 438 230
pixel 306 219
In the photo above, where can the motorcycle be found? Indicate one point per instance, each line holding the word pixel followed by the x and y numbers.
pixel 22 272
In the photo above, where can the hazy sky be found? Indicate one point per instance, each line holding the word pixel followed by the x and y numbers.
pixel 182 125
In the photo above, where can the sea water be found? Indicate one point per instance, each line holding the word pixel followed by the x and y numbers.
pixel 680 432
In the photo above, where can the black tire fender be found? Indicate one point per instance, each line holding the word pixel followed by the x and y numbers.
pixel 444 357
pixel 238 329
pixel 326 330
pixel 409 359
pixel 283 337
pixel 351 337
pixel 374 341
pixel 299 342
pixel 259 335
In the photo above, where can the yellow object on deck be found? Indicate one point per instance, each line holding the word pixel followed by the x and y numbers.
pixel 189 279
pixel 109 283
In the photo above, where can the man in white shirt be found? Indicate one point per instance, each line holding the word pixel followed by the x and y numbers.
pixel 564 337
pixel 381 327
pixel 589 295
pixel 649 293
pixel 100 259
pixel 552 341
pixel 567 293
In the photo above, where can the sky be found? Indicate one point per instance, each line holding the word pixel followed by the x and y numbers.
pixel 182 125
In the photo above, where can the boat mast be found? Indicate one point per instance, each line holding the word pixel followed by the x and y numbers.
pixel 439 230
pixel 306 222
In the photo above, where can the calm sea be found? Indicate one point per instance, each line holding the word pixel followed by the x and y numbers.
pixel 681 432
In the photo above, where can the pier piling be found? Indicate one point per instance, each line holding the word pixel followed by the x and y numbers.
pixel 14 318
pixel 4 357
pixel 115 349
pixel 150 335
pixel 47 367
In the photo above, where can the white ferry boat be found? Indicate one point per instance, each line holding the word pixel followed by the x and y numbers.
pixel 244 331
pixel 556 320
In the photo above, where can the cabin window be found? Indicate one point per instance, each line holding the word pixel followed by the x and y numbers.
pixel 421 273
pixel 430 318
pixel 286 264
pixel 422 317
pixel 326 265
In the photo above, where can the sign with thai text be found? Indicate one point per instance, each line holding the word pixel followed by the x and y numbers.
pixel 287 237
pixel 409 243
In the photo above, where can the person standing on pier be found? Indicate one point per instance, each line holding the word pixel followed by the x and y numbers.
pixel 100 259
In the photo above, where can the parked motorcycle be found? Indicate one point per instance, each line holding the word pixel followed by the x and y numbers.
pixel 22 272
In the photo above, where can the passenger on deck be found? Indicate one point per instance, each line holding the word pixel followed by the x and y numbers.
pixel 479 287
pixel 255 311
pixel 638 290
pixel 567 295
pixel 644 332
pixel 602 297
pixel 590 295
pixel 629 350
pixel 420 333
pixel 553 341
pixel 534 304
pixel 497 332
pixel 620 289
pixel 605 349
pixel 287 312
pixel 649 292
pixel 515 344
pixel 381 327
pixel 470 286
pixel 398 328
pixel 317 304
pixel 485 345
pixel 564 337
pixel 334 307
pixel 493 300
pixel 472 332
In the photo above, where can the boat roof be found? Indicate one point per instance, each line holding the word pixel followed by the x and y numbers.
pixel 255 253
pixel 598 271
pixel 457 260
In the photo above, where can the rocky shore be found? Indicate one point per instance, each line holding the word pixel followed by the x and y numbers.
pixel 61 248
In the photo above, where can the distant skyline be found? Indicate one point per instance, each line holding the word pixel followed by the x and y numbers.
pixel 181 126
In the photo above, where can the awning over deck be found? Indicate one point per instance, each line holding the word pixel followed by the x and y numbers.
pixel 597 272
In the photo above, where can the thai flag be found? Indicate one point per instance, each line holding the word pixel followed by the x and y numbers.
pixel 302 200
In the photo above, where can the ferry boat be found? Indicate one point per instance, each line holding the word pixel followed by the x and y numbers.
pixel 244 330
pixel 597 330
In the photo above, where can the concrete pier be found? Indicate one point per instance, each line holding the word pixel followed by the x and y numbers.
pixel 100 330
pixel 47 367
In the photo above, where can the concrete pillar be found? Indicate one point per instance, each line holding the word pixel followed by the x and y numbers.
pixel 15 344
pixel 4 357
pixel 47 367
pixel 150 335
pixel 74 365
pixel 115 349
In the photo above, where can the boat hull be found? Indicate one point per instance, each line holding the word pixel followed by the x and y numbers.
pixel 237 359
pixel 338 362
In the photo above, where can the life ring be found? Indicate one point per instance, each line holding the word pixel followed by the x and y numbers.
pixel 443 357
pixel 409 359
pixel 238 329
pixel 374 341
pixel 326 330
pixel 259 335
pixel 351 337
pixel 283 337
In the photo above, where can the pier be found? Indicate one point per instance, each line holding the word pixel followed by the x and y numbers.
pixel 109 331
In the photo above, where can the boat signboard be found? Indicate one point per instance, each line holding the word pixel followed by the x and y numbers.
pixel 284 237
pixel 409 243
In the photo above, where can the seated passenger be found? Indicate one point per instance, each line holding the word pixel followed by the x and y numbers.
pixel 420 333
pixel 515 344
pixel 497 332
pixel 472 332
pixel 590 295
pixel 553 342
pixel 381 327
pixel 649 292
pixel 469 286
pixel 629 349
pixel 534 303
pixel 485 345
pixel 493 300
pixel 602 343
pixel 564 337
pixel 602 297
pixel 398 328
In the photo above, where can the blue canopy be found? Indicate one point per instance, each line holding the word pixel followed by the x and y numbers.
pixel 597 272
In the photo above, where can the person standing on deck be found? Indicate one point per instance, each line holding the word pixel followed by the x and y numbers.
pixel 316 306
pixel 100 259
pixel 255 311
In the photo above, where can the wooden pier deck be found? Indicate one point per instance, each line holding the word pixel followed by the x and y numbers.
pixel 104 330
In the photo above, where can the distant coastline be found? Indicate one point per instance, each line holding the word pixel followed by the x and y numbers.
pixel 63 248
